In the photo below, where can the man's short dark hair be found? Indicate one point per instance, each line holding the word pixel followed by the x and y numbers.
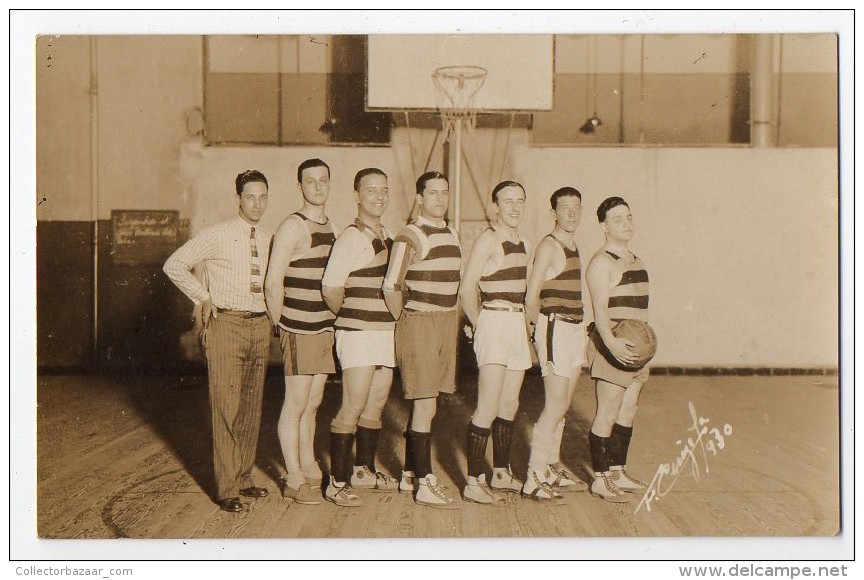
pixel 607 204
pixel 249 176
pixel 363 173
pixel 427 177
pixel 308 164
pixel 564 192
pixel 503 185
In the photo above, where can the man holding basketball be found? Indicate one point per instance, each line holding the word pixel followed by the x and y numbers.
pixel 618 282
pixel 554 301
pixel 493 297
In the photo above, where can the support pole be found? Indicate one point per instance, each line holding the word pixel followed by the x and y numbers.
pixel 457 176
pixel 761 91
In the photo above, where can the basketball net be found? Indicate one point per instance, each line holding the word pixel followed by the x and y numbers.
pixel 455 88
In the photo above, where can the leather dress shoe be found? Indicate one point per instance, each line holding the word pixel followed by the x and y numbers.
pixel 254 492
pixel 231 504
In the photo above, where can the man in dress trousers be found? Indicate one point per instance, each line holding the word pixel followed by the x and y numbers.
pixel 236 332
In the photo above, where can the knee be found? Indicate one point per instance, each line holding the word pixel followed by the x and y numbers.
pixel 424 412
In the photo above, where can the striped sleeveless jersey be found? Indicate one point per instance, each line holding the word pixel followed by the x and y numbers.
pixel 629 297
pixel 509 282
pixel 364 307
pixel 433 282
pixel 563 293
pixel 303 308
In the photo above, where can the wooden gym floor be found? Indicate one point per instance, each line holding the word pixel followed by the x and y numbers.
pixel 129 457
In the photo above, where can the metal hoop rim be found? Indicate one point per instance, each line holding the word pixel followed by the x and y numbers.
pixel 464 72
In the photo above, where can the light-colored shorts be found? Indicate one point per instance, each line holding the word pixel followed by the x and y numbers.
pixel 500 338
pixel 426 352
pixel 307 354
pixel 364 348
pixel 602 369
pixel 560 346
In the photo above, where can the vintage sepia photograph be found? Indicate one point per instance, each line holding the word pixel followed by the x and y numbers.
pixel 364 278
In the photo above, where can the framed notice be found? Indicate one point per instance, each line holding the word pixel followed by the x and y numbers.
pixel 143 237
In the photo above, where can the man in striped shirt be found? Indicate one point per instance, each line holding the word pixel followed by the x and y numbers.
pixel 554 300
pixel 421 289
pixel 236 332
pixel 493 297
pixel 364 341
pixel 618 282
pixel 301 247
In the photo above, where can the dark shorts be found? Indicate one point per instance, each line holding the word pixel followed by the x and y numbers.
pixel 307 354
pixel 602 369
pixel 426 352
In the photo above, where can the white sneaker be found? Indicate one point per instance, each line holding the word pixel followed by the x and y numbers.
pixel 625 482
pixel 504 480
pixel 363 478
pixel 342 495
pixel 431 494
pixel 478 491
pixel 605 489
pixel 536 488
pixel 408 482
pixel 562 480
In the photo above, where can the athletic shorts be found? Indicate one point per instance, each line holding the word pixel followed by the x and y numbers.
pixel 426 352
pixel 307 354
pixel 560 346
pixel 365 348
pixel 602 369
pixel 500 338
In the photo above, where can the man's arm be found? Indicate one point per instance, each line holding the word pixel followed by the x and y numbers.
pixel 285 242
pixel 178 267
pixel 401 256
pixel 599 275
pixel 469 292
pixel 348 253
pixel 543 260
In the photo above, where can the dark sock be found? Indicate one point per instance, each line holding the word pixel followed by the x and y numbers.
pixel 477 439
pixel 367 444
pixel 340 456
pixel 422 453
pixel 619 444
pixel 410 463
pixel 502 437
pixel 599 457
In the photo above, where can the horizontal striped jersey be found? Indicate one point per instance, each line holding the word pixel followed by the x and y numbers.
pixel 363 307
pixel 303 308
pixel 508 282
pixel 628 298
pixel 426 261
pixel 563 293
pixel 224 251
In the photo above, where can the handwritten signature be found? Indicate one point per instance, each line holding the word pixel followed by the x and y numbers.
pixel 704 440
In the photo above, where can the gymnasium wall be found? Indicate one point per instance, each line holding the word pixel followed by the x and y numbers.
pixel 741 243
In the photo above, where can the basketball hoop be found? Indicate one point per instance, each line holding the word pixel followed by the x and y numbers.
pixel 456 87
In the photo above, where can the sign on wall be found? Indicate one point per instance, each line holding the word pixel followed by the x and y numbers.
pixel 143 237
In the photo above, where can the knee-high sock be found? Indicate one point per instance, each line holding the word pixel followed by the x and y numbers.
pixel 367 444
pixel 541 450
pixel 410 463
pixel 477 437
pixel 619 444
pixel 502 437
pixel 555 452
pixel 340 456
pixel 422 443
pixel 599 456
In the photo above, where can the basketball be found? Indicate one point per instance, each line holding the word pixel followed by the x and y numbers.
pixel 643 338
